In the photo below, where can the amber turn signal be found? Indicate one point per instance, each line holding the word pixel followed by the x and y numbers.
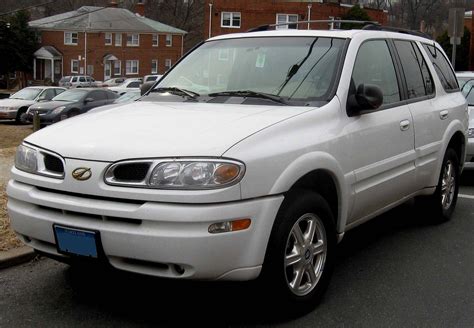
pixel 228 226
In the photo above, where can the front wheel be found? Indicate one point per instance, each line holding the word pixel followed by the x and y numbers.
pixel 300 254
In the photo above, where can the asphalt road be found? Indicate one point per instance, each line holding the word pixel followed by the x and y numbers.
pixel 397 270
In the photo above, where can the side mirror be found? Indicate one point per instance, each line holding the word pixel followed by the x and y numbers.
pixel 367 98
pixel 88 100
pixel 145 87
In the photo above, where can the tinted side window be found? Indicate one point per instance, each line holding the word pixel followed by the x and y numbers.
pixel 48 94
pixel 58 91
pixel 442 67
pixel 374 65
pixel 97 95
pixel 417 75
pixel 134 84
pixel 82 79
pixel 74 79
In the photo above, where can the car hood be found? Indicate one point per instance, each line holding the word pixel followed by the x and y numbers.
pixel 146 130
pixel 9 102
pixel 48 105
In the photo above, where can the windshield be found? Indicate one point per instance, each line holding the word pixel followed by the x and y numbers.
pixel 296 68
pixel 71 95
pixel 26 94
pixel 127 96
pixel 468 92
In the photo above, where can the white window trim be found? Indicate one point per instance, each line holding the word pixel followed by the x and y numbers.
pixel 120 68
pixel 131 44
pixel 286 27
pixel 72 66
pixel 231 19
pixel 170 40
pixel 115 39
pixel 166 62
pixel 71 43
pixel 138 66
pixel 111 42
pixel 156 67
pixel 157 40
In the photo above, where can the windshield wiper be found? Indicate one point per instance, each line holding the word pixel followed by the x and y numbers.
pixel 250 93
pixel 175 90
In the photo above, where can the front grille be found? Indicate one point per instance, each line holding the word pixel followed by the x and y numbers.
pixel 131 172
pixel 53 164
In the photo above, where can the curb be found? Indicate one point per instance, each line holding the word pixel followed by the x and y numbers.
pixel 16 256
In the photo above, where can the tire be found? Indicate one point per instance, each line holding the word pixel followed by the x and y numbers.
pixel 301 210
pixel 21 116
pixel 440 206
pixel 73 113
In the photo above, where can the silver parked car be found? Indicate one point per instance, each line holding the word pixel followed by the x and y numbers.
pixel 15 107
pixel 77 81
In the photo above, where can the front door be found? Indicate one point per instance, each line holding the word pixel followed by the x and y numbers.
pixel 107 70
pixel 381 143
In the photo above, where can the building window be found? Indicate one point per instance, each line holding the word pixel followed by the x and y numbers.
pixel 154 66
pixel 155 40
pixel 74 66
pixel 285 19
pixel 231 20
pixel 131 67
pixel 108 39
pixel 117 67
pixel 133 40
pixel 167 64
pixel 70 38
pixel 169 40
pixel 118 39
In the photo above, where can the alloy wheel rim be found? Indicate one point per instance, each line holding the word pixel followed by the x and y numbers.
pixel 305 254
pixel 448 185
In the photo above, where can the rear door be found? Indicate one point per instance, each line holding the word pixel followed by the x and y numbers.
pixel 380 144
pixel 98 97
pixel 427 115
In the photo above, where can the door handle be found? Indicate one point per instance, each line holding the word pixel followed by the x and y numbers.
pixel 404 125
pixel 443 114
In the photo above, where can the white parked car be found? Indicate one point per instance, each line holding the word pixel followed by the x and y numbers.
pixel 463 77
pixel 151 78
pixel 15 107
pixel 78 81
pixel 468 92
pixel 127 85
pixel 302 136
pixel 113 82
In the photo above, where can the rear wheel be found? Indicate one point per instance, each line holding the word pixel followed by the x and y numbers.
pixel 440 206
pixel 300 254
pixel 21 116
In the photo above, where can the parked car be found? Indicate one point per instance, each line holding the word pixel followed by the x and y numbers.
pixel 78 81
pixel 303 136
pixel 463 77
pixel 125 98
pixel 127 85
pixel 151 78
pixel 70 103
pixel 15 107
pixel 113 82
pixel 468 92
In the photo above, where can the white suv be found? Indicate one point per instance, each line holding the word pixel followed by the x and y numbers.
pixel 250 158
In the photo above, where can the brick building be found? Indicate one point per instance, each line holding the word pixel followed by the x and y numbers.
pixel 231 16
pixel 105 42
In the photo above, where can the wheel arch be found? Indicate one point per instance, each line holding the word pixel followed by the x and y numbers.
pixel 319 172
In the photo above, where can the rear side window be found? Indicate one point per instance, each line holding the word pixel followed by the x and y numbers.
pixel 374 65
pixel 134 84
pixel 98 95
pixel 82 79
pixel 417 75
pixel 442 67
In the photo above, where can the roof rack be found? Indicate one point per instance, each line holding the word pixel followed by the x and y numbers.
pixel 369 25
pixel 377 27
pixel 338 21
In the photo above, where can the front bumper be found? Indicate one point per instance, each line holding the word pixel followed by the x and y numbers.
pixel 45 118
pixel 150 237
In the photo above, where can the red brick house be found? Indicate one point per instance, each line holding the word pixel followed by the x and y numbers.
pixel 105 42
pixel 231 16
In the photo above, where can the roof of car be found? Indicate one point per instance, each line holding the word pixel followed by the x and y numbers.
pixel 345 34
pixel 44 87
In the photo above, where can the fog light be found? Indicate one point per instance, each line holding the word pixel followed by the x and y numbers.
pixel 228 226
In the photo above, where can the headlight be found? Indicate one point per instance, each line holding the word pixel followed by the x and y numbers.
pixel 58 110
pixel 26 159
pixel 39 161
pixel 470 133
pixel 180 174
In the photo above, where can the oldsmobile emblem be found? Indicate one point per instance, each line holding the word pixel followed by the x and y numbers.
pixel 82 173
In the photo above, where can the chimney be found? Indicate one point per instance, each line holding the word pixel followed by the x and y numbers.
pixel 113 4
pixel 140 8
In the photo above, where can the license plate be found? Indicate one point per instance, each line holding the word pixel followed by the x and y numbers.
pixel 76 241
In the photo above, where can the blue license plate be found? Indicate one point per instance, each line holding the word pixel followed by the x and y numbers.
pixel 76 241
